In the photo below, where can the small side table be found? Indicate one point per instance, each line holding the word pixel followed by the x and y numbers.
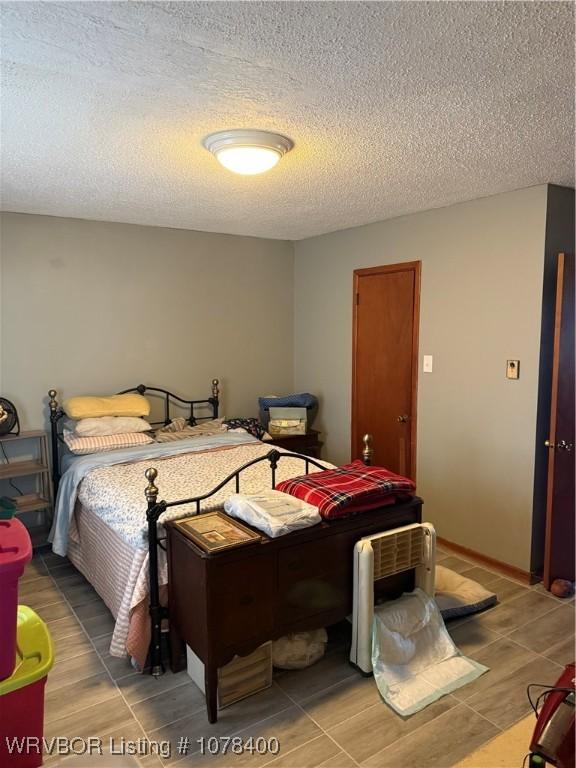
pixel 25 456
pixel 308 444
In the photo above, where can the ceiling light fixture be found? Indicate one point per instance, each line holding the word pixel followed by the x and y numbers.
pixel 247 152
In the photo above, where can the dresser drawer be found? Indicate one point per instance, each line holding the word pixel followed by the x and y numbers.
pixel 314 578
pixel 242 600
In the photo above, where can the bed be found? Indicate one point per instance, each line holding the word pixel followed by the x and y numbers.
pixel 109 519
pixel 100 517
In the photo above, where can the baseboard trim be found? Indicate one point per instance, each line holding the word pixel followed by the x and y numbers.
pixel 509 570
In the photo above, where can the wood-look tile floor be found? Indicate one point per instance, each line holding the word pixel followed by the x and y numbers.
pixel 327 715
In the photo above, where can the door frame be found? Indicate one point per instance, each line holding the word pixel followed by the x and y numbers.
pixel 546 577
pixel 407 266
pixel 558 346
pixel 540 529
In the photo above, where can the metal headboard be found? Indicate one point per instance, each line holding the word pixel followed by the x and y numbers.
pixel 171 401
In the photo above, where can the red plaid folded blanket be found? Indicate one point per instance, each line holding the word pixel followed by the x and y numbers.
pixel 351 488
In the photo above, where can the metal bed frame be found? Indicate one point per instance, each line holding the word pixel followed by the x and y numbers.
pixel 170 402
pixel 156 508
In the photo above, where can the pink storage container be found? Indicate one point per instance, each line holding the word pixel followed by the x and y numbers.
pixel 15 553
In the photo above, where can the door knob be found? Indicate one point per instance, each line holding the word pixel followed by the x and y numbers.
pixel 564 446
pixel 403 419
pixel 548 444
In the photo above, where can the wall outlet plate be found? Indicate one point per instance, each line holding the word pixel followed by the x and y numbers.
pixel 512 369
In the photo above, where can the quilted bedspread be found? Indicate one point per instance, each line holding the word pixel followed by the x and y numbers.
pixel 116 493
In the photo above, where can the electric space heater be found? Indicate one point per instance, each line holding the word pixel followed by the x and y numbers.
pixel 378 557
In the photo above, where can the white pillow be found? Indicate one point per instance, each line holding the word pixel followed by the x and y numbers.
pixel 110 425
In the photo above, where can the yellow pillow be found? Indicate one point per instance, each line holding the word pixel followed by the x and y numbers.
pixel 116 405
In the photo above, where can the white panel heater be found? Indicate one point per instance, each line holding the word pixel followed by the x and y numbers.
pixel 378 557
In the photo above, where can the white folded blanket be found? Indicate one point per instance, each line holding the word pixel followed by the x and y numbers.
pixel 414 658
pixel 273 512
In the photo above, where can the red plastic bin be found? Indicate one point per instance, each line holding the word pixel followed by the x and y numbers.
pixel 15 553
pixel 22 694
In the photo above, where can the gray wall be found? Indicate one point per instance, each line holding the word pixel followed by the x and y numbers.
pixel 93 307
pixel 96 307
pixel 482 268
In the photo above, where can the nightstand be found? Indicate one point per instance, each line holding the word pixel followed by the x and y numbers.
pixel 308 444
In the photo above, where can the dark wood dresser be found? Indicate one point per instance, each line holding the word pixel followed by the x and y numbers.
pixel 228 603
pixel 308 444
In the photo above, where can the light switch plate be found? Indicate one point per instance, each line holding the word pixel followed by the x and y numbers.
pixel 427 364
pixel 512 369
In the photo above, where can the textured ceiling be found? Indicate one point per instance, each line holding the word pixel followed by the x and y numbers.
pixel 394 107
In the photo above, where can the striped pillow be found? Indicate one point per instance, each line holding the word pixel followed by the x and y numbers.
pixel 100 443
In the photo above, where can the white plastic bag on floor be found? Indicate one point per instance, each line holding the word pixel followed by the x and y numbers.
pixel 299 650
pixel 273 512
pixel 414 658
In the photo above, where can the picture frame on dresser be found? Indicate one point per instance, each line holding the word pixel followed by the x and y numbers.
pixel 214 532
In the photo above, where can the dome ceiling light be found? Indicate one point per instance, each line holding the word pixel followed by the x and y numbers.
pixel 247 152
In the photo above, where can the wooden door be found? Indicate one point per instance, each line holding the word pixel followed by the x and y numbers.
pixel 385 364
pixel 559 540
